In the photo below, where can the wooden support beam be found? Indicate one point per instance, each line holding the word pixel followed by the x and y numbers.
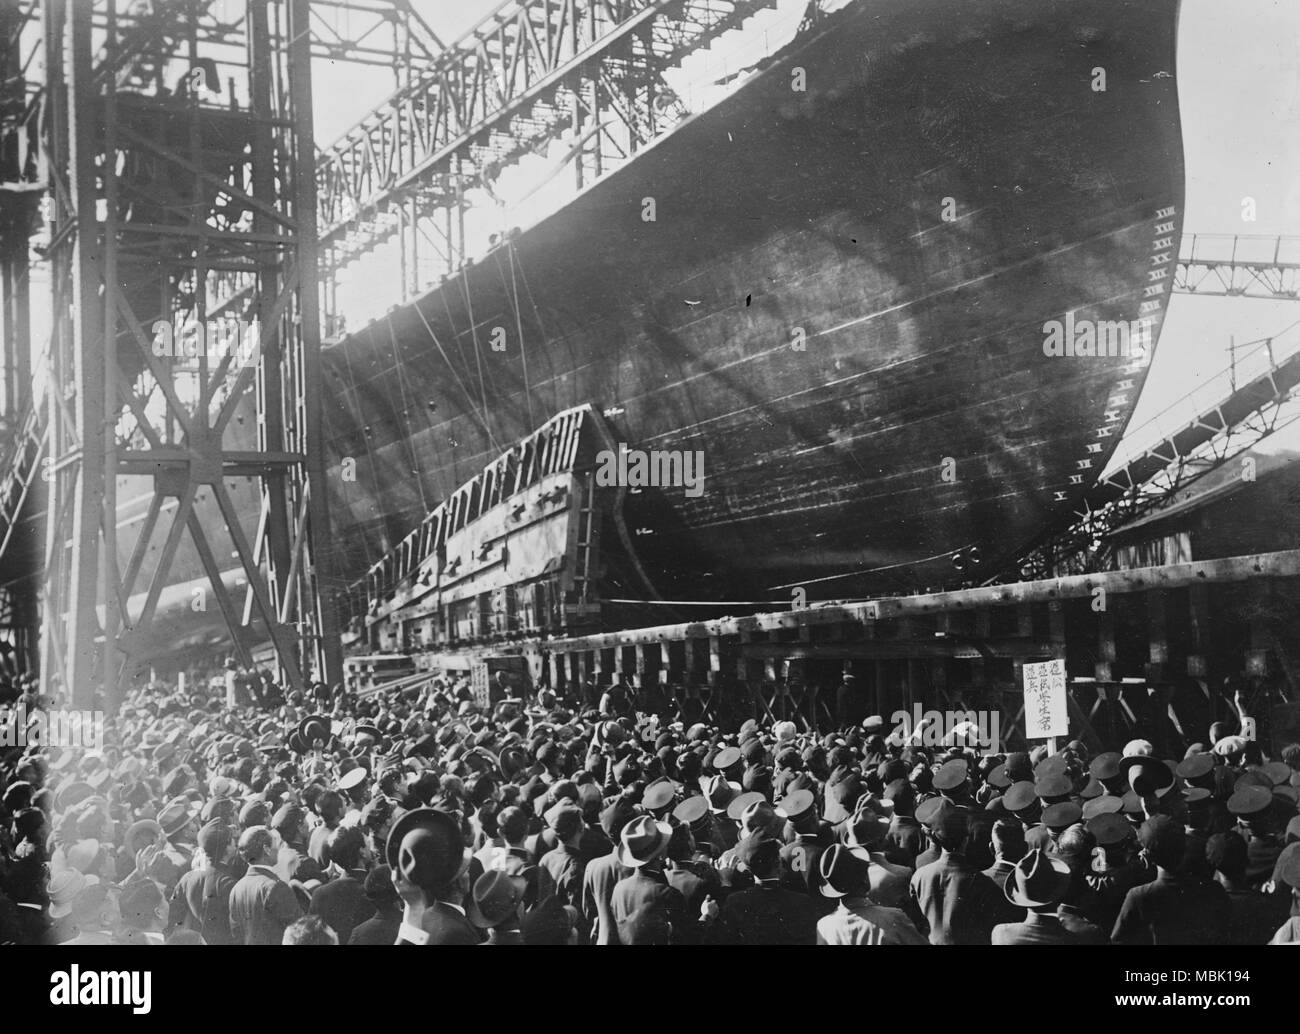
pixel 1056 628
pixel 1105 666
pixel 1157 636
pixel 1285 563
pixel 1199 631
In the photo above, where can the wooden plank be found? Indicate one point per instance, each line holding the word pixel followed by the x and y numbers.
pixel 1285 563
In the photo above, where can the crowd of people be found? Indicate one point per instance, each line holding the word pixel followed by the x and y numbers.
pixel 427 816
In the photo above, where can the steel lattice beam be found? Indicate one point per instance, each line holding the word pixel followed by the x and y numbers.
pixel 533 72
pixel 1246 415
pixel 1241 266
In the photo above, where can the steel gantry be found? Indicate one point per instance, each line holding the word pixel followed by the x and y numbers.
pixel 176 157
pixel 1239 266
pixel 588 72
pixel 1257 397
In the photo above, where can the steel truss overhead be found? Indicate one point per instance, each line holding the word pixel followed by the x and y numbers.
pixel 534 71
pixel 157 189
pixel 1233 424
pixel 1240 266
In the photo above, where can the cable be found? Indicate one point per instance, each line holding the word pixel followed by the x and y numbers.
pixel 482 419
pixel 869 570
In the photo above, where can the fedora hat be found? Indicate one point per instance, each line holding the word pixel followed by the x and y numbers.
pixel 865 830
pixel 312 728
pixel 176 815
pixel 1038 879
pixel 1151 772
pixel 741 803
pixel 643 840
pixel 426 847
pixel 496 895
pixel 843 871
pixel 720 793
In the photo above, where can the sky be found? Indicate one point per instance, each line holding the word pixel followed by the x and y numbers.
pixel 1239 94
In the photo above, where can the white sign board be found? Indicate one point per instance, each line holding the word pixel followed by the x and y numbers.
pixel 1045 713
pixel 478 675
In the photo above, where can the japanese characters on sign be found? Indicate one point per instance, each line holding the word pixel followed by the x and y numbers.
pixel 1045 713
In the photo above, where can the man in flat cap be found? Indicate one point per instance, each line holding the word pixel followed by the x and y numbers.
pixel 562 868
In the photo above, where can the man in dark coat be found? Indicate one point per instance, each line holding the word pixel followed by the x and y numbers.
pixel 342 902
pixel 261 903
pixel 765 913
pixel 430 867
pixel 1172 908
pixel 562 867
pixel 603 874
pixel 201 900
pixel 645 909
pixel 1037 883
pixel 382 927
pixel 959 903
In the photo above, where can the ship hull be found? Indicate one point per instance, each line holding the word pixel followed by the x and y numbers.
pixel 839 303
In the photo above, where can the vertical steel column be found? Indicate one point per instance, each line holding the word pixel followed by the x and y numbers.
pixel 82 383
pixel 321 567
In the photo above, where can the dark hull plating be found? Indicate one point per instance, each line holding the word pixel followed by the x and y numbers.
pixel 921 418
